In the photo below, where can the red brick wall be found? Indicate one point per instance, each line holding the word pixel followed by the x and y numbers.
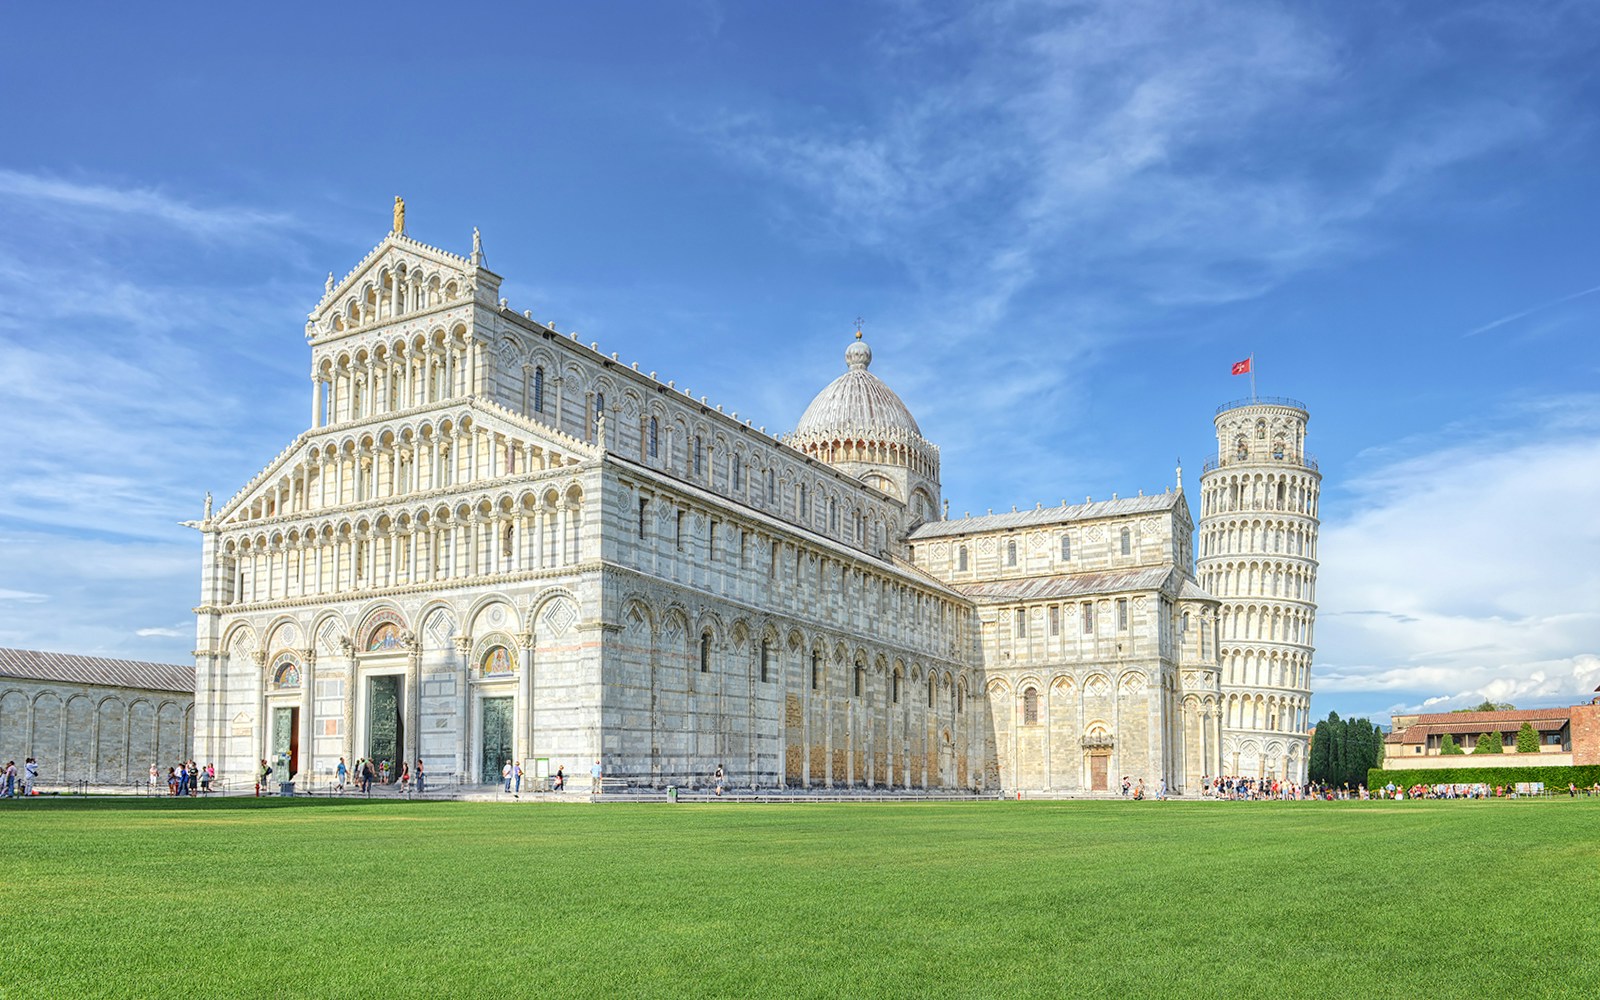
pixel 1586 734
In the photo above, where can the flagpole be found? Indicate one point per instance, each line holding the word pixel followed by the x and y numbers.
pixel 1252 376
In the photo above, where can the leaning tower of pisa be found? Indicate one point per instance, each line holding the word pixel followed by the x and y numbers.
pixel 1258 557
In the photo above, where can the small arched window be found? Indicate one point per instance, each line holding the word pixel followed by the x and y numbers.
pixel 738 472
pixel 538 389
pixel 705 652
pixel 833 514
pixel 766 660
pixel 931 685
pixel 699 454
pixel 961 558
pixel 1011 553
pixel 1261 428
pixel 895 690
pixel 1030 707
pixel 1240 448
pixel 1127 541
pixel 1277 449
pixel 655 437
pixel 816 671
pixel 1066 548
pixel 961 698
pixel 801 508
pixel 861 680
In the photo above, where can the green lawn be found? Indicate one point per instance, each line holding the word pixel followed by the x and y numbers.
pixel 1083 899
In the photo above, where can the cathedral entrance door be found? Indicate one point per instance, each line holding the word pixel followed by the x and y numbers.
pixel 1099 765
pixel 496 729
pixel 385 728
pixel 286 742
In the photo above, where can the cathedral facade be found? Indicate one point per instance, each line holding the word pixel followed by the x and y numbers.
pixel 494 542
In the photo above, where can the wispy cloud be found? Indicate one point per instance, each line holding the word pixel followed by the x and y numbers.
pixel 165 633
pixel 43 192
pixel 1524 313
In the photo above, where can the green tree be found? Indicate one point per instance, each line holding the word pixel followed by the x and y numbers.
pixel 1449 747
pixel 1527 739
pixel 1317 763
pixel 1343 750
pixel 1490 742
pixel 1488 706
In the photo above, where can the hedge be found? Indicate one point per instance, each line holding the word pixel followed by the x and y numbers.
pixel 1584 776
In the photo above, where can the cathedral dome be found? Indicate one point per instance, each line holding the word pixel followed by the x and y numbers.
pixel 857 404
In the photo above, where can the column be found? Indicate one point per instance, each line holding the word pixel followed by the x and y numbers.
pixel 413 707
pixel 316 402
pixel 526 729
pixel 349 647
pixel 467 758
pixel 307 680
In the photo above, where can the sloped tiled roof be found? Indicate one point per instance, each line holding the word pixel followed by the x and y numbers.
pixel 1047 516
pixel 1545 720
pixel 68 668
pixel 1047 588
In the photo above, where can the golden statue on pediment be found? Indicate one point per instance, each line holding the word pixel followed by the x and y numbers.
pixel 399 215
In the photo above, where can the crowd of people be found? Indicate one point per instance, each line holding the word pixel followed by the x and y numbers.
pixel 184 779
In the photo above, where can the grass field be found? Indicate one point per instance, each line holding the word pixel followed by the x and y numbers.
pixel 304 898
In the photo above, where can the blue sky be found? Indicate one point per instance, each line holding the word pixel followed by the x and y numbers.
pixel 1060 222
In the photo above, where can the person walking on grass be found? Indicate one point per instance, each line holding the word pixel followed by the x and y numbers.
pixel 595 775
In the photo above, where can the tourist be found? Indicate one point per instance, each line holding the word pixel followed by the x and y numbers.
pixel 561 778
pixel 516 775
pixel 383 771
pixel 172 782
pixel 207 777
pixel 716 779
pixel 262 773
pixel 366 777
pixel 11 779
pixel 420 788
pixel 340 773
pixel 505 775
pixel 595 774
pixel 183 778
pixel 155 777
pixel 30 775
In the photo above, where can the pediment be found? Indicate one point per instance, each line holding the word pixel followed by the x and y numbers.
pixel 260 498
pixel 399 277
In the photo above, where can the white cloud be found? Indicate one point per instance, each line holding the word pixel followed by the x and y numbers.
pixel 42 193
pixel 166 633
pixel 1470 570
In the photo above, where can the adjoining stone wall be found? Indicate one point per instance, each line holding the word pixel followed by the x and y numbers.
pixel 1585 734
pixel 100 734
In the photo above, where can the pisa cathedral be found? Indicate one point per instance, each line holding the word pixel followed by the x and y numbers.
pixel 495 542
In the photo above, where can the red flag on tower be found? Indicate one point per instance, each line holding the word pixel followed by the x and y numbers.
pixel 1242 367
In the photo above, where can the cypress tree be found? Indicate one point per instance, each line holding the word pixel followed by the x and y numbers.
pixel 1527 739
pixel 1490 743
pixel 1449 747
